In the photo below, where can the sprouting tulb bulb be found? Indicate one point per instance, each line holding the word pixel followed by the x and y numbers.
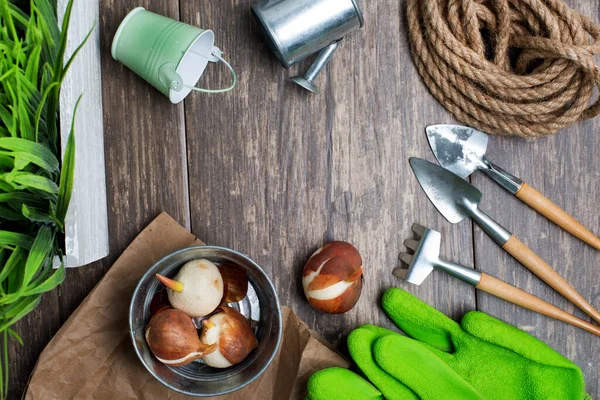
pixel 197 289
pixel 173 338
pixel 232 335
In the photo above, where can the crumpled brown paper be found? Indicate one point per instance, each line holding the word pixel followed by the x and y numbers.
pixel 92 357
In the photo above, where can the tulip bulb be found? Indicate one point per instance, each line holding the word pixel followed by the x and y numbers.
pixel 235 281
pixel 233 336
pixel 173 338
pixel 197 289
pixel 332 278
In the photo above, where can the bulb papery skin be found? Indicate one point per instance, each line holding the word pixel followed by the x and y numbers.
pixel 215 359
pixel 333 277
pixel 173 338
pixel 233 336
pixel 202 288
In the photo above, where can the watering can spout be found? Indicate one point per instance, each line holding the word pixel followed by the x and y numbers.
pixel 293 33
pixel 307 81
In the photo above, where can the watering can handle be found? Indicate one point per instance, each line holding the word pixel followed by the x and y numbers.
pixel 216 54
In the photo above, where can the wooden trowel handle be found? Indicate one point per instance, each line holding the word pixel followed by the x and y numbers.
pixel 503 290
pixel 535 264
pixel 554 213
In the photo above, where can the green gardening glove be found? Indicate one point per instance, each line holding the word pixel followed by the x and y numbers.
pixel 404 369
pixel 337 383
pixel 498 360
pixel 429 376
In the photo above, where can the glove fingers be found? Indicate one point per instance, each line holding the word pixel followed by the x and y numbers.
pixel 380 332
pixel 340 384
pixel 419 320
pixel 419 369
pixel 360 345
pixel 492 330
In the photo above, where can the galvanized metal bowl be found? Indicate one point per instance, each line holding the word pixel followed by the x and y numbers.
pixel 261 307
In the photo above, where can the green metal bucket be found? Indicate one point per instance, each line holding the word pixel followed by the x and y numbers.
pixel 168 54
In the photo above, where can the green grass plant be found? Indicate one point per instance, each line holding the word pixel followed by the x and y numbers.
pixel 35 186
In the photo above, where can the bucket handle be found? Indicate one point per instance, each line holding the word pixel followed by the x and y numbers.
pixel 217 54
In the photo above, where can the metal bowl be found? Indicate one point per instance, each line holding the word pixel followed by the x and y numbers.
pixel 261 307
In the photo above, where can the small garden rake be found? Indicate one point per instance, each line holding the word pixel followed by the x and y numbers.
pixel 426 258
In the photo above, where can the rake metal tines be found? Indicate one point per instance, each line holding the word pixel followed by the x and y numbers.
pixel 426 258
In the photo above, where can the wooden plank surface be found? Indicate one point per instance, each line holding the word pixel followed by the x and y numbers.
pixel 275 172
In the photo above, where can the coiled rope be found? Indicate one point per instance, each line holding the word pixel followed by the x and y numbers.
pixel 507 67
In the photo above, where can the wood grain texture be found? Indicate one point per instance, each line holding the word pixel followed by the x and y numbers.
pixel 275 172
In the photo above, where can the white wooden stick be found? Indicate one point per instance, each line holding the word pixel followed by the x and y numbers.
pixel 86 230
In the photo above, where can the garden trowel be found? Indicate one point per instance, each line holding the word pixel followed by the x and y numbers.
pixel 461 149
pixel 457 199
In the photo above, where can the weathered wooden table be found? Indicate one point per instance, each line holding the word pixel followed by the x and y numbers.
pixel 275 172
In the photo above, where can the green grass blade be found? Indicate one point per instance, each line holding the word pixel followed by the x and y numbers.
pixel 20 198
pixel 50 283
pixel 58 75
pixel 67 172
pixel 37 215
pixel 17 257
pixel 22 308
pixel 7 17
pixel 46 10
pixel 38 255
pixel 5 187
pixel 41 108
pixel 6 163
pixel 8 121
pixel 33 65
pixel 25 180
pixel 10 214
pixel 15 239
pixel 39 154
pixel 5 366
pixel 15 336
pixel 62 47
pixel 20 19
pixel 68 64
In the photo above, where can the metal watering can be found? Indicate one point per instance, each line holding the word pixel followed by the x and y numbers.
pixel 296 29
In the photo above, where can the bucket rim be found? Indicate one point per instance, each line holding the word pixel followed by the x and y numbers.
pixel 113 49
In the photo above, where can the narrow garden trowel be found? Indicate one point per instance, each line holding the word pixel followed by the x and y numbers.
pixel 457 199
pixel 461 149
pixel 426 258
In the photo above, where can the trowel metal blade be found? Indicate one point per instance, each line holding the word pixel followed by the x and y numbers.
pixel 459 149
pixel 448 192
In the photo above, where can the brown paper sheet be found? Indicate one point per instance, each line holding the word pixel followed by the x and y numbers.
pixel 92 357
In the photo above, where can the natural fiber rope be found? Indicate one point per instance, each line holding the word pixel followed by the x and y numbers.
pixel 507 67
